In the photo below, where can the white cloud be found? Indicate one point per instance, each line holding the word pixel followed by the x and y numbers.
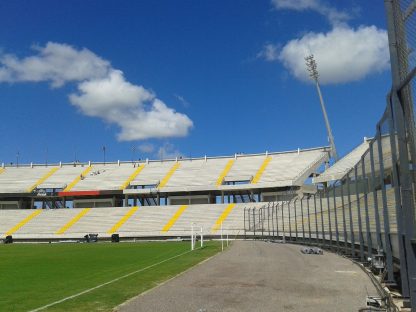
pixel 334 16
pixel 146 148
pixel 270 52
pixel 103 91
pixel 343 54
pixel 182 100
pixel 57 63
pixel 158 121
pixel 168 151
pixel 109 97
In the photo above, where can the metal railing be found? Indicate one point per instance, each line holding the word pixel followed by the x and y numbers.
pixel 369 214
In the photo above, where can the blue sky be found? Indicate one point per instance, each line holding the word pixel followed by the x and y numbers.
pixel 186 77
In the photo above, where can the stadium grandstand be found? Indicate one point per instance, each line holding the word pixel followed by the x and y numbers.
pixel 360 206
pixel 208 190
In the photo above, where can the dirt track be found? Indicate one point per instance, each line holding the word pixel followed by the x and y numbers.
pixel 259 276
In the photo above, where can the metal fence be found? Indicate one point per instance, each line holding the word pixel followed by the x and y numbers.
pixel 370 212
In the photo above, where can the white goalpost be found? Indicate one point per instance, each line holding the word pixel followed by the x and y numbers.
pixel 195 231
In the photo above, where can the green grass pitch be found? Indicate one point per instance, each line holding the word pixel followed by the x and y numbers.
pixel 34 275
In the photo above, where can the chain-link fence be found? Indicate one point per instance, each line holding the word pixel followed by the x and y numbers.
pixel 369 214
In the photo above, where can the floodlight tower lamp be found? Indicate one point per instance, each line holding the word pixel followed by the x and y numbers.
pixel 313 73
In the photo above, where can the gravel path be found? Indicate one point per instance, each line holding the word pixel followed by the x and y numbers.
pixel 260 276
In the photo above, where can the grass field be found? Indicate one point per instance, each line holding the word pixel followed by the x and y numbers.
pixel 34 275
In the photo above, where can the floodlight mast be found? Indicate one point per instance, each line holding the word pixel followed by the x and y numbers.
pixel 313 73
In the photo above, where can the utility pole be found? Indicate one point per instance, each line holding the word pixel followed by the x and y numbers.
pixel 313 73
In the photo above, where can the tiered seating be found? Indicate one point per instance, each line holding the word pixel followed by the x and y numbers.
pixel 144 221
pixel 198 172
pixel 105 177
pixel 263 170
pixel 245 168
pixel 10 218
pixel 153 173
pixel 149 221
pixel 192 215
pixel 99 220
pixel 234 223
pixel 62 177
pixel 292 167
pixel 341 167
pixel 46 224
pixel 21 179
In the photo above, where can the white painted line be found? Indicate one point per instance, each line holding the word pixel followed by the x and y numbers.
pixel 346 272
pixel 163 283
pixel 107 283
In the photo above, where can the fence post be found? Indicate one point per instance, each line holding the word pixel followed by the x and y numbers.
pixel 273 220
pixel 389 254
pixel 202 238
pixel 407 200
pixel 316 219
pixel 222 239
pixel 360 228
pixel 245 233
pixel 309 219
pixel 277 219
pixel 375 198
pixel 367 218
pixel 344 219
pixel 290 225
pixel 254 222
pixel 192 237
pixel 268 219
pixel 296 220
pixel 322 219
pixel 399 212
pixel 283 223
pixel 301 210
pixel 352 236
pixel 329 217
pixel 336 218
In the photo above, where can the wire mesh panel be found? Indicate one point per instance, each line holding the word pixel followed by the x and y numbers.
pixel 302 216
pixel 405 20
pixel 363 177
pixel 315 219
pixel 359 208
pixel 388 183
pixel 384 157
pixel 342 200
pixel 312 217
pixel 284 217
